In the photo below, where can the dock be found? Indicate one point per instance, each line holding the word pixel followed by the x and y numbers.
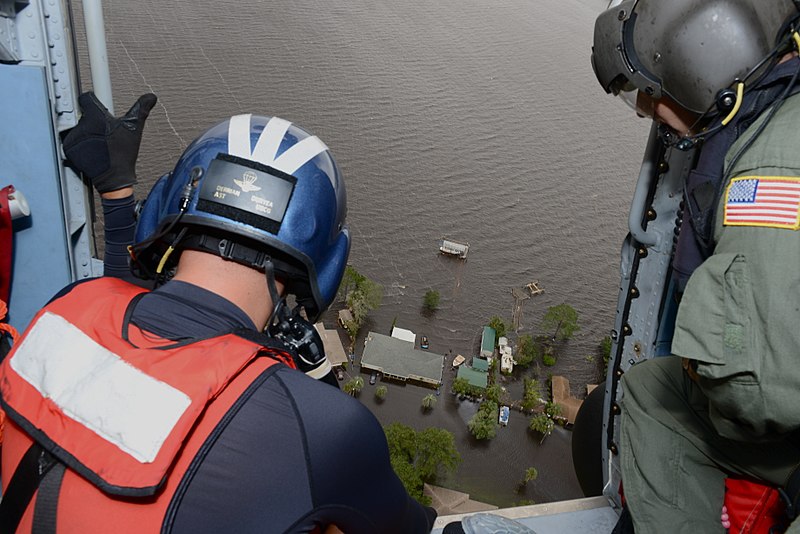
pixel 520 295
pixel 453 248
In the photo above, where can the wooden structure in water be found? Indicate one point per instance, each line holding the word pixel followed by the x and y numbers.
pixel 520 295
pixel 453 248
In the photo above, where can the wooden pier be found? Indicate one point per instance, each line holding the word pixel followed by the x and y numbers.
pixel 521 295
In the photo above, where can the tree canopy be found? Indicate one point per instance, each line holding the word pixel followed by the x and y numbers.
pixel 418 457
pixel 526 351
pixel 532 394
pixel 562 320
pixel 361 295
pixel 431 300
pixel 499 326
pixel 483 424
pixel 428 401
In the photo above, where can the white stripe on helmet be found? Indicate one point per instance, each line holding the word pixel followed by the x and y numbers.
pixel 269 141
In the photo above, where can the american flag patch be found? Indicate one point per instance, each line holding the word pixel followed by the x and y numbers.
pixel 770 201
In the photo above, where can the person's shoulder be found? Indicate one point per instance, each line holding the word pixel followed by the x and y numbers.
pixel 91 284
pixel 326 405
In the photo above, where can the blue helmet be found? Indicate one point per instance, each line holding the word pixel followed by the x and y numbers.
pixel 253 189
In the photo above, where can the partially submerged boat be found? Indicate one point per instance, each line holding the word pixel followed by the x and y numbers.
pixel 453 248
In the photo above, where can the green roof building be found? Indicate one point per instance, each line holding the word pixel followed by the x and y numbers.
pixel 480 364
pixel 487 341
pixel 474 377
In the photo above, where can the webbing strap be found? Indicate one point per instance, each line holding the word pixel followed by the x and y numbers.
pixel 791 493
pixel 33 467
pixel 45 510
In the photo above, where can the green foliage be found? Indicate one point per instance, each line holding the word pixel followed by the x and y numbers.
pixel 381 391
pixel 552 409
pixel 532 394
pixel 411 480
pixel 461 386
pixel 428 401
pixel 361 295
pixel 418 457
pixel 483 424
pixel 499 327
pixel 431 300
pixel 549 359
pixel 436 450
pixel 562 320
pixel 605 352
pixel 526 351
pixel 354 386
pixel 542 424
pixel 494 392
pixel 531 473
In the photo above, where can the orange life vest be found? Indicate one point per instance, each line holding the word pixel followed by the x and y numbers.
pixel 126 417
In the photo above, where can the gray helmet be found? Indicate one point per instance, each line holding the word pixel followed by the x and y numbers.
pixel 686 49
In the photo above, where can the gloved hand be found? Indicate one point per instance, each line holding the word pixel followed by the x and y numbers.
pixel 103 147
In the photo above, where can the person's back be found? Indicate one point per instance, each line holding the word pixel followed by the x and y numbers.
pixel 168 408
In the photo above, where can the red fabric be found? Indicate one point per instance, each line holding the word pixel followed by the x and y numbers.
pixel 5 243
pixel 200 370
pixel 753 508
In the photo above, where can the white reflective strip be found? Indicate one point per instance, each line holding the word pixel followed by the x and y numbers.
pixel 270 140
pixel 97 388
pixel 239 136
pixel 320 371
pixel 299 154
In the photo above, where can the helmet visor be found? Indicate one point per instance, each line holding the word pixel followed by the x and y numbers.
pixel 609 61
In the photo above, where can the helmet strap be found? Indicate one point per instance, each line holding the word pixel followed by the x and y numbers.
pixel 278 301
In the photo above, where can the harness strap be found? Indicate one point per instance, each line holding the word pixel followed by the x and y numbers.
pixel 33 467
pixel 791 494
pixel 45 510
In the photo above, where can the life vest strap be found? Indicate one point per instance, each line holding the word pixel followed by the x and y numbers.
pixel 32 469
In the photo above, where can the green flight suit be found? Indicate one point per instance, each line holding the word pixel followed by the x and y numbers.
pixel 739 319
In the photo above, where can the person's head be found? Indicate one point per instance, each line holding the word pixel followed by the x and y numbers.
pixel 684 57
pixel 257 191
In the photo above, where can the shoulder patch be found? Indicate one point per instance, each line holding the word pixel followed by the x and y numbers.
pixel 766 201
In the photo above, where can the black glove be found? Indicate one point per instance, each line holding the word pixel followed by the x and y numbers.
pixel 103 147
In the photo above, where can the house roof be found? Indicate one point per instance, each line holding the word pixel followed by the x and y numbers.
pixel 334 349
pixel 487 340
pixel 475 378
pixel 399 358
pixel 405 335
pixel 480 364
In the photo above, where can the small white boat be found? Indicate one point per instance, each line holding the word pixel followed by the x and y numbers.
pixel 453 248
pixel 458 360
pixel 503 419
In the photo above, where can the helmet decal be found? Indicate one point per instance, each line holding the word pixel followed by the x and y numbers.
pixel 253 187
pixel 266 149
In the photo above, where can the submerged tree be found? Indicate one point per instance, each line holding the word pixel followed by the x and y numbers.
pixel 483 424
pixel 526 351
pixel 380 392
pixel 532 394
pixel 499 326
pixel 542 424
pixel 361 295
pixel 419 457
pixel 562 320
pixel 531 473
pixel 431 300
pixel 460 386
pixel 428 401
pixel 354 386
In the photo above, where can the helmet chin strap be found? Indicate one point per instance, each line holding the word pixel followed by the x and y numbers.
pixel 277 300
